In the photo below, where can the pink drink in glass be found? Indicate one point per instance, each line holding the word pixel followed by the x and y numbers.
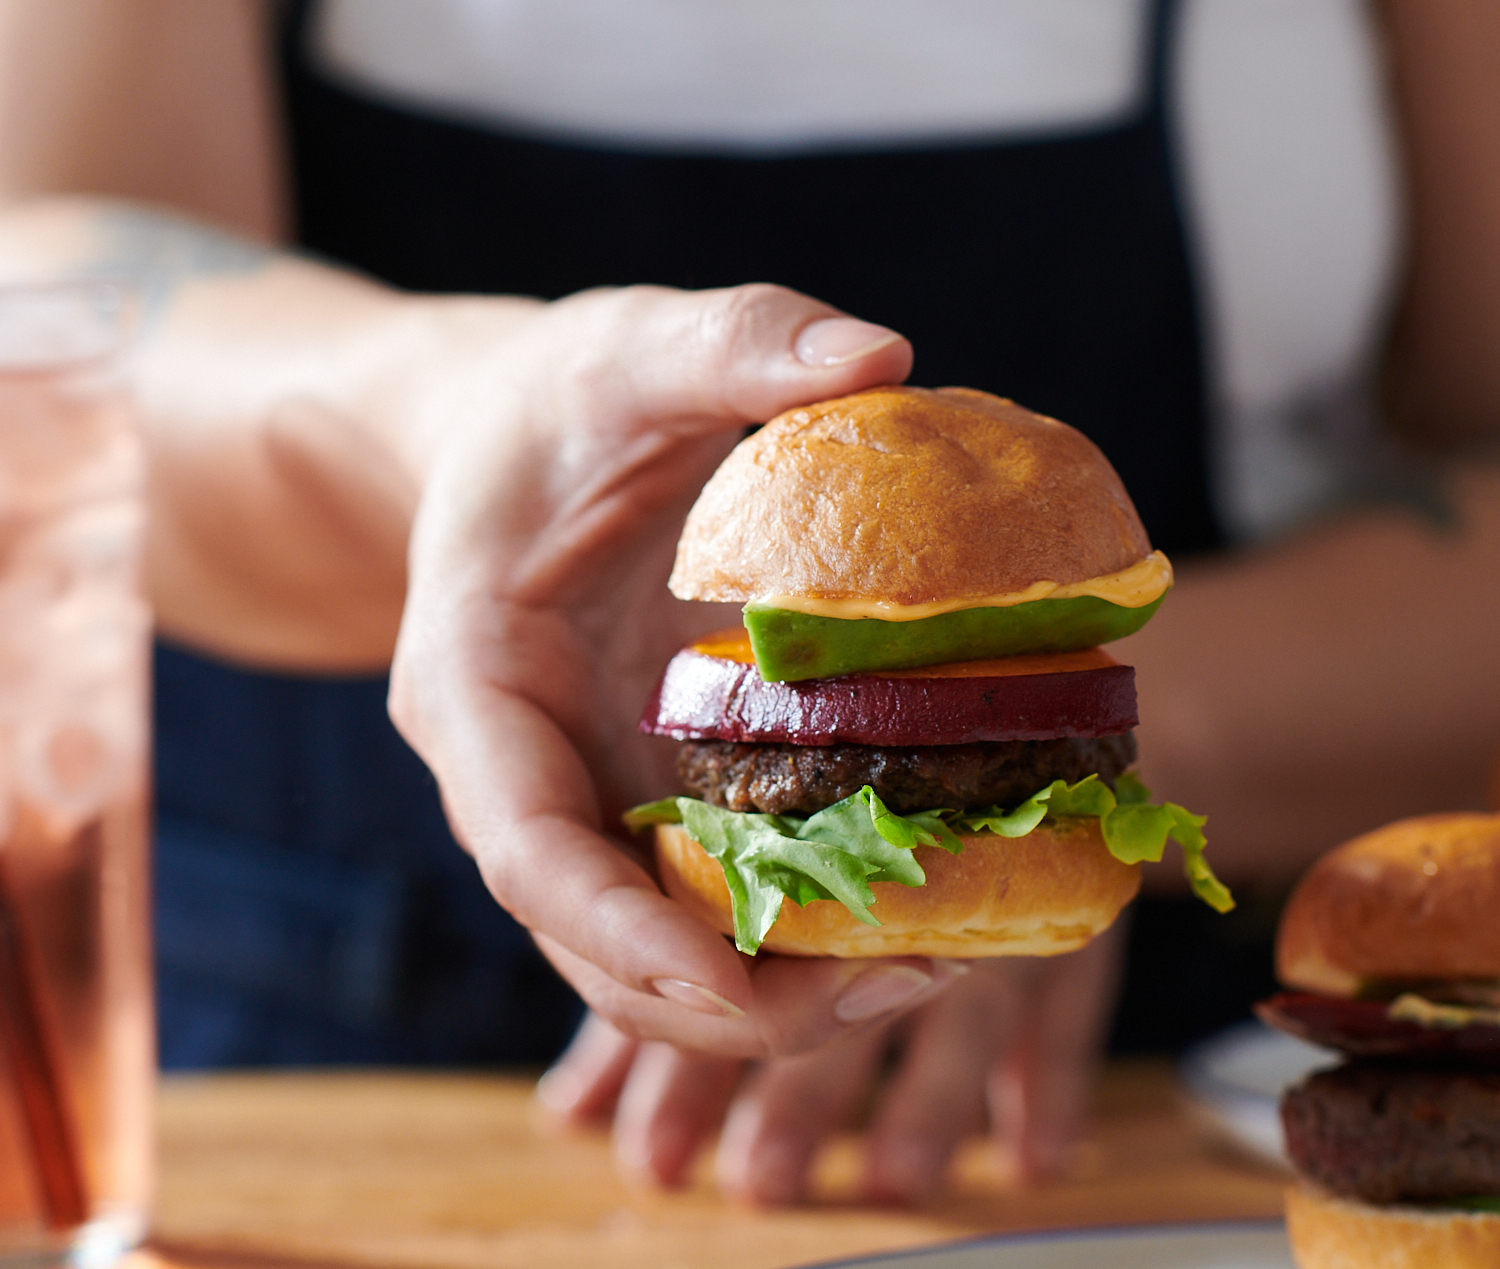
pixel 76 1025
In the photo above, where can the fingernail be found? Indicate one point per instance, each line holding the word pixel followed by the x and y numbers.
pixel 634 1158
pixel 1045 1164
pixel 695 997
pixel 558 1091
pixel 878 991
pixel 1043 1159
pixel 836 341
pixel 641 1156
pixel 910 1172
pixel 776 1173
pixel 945 968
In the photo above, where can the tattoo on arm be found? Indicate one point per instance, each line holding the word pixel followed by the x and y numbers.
pixel 158 253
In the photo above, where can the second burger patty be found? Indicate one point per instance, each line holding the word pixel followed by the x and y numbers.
pixel 1384 1134
pixel 801 779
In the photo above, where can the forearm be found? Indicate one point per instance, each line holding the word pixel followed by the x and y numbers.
pixel 1304 693
pixel 290 410
pixel 1443 379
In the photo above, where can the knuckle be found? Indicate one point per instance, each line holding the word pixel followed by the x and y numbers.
pixel 735 330
pixel 586 332
pixel 733 322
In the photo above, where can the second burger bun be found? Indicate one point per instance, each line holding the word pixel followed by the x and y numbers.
pixel 909 496
pixel 1338 1233
pixel 1048 892
pixel 1415 900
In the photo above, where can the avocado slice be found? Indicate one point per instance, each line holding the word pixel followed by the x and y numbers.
pixel 793 645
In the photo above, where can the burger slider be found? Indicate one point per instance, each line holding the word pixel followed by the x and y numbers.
pixel 914 737
pixel 1390 950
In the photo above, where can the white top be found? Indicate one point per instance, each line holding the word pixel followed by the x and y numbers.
pixel 747 75
pixel 1278 106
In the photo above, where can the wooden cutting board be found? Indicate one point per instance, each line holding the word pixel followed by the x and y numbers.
pixel 277 1171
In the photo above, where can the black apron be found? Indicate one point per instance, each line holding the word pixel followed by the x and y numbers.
pixel 311 904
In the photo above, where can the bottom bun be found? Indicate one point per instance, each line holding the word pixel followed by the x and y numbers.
pixel 1337 1233
pixel 1048 892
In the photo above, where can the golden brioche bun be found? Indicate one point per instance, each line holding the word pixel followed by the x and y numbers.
pixel 1417 899
pixel 910 496
pixel 1048 892
pixel 1336 1233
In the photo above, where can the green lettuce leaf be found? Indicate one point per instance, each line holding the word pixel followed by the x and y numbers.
pixel 731 838
pixel 1015 823
pixel 1090 796
pixel 1129 790
pixel 1135 829
pixel 861 824
pixel 834 854
pixel 649 813
pixel 838 852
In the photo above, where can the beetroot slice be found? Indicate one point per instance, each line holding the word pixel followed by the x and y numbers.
pixel 702 697
pixel 1363 1028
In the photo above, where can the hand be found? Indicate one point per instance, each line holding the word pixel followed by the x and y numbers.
pixel 1010 1047
pixel 537 620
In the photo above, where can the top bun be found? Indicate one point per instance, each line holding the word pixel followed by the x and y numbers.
pixel 909 496
pixel 1417 899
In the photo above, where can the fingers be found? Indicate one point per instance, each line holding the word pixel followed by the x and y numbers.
pixel 646 1015
pixel 1017 1037
pixel 583 1085
pixel 794 1004
pixel 1039 1092
pixel 802 1004
pixel 937 1096
pixel 665 1101
pixel 520 799
pixel 672 1102
pixel 706 359
pixel 787 1110
pixel 790 1106
pixel 669 1101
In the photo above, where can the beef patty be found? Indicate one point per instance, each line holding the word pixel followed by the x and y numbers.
pixel 1383 1134
pixel 785 779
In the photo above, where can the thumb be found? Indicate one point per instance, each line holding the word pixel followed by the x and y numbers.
pixel 707 359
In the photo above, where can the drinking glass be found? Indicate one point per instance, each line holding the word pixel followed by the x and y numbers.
pixel 76 1027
